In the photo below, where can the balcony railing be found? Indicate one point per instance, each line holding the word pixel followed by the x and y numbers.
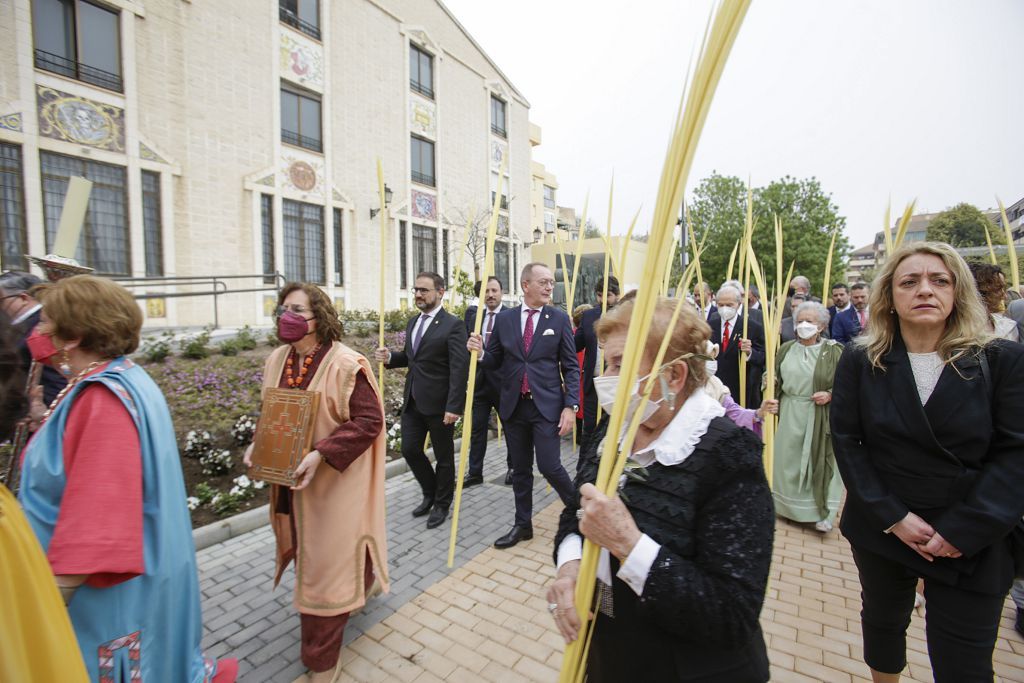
pixel 423 178
pixel 293 138
pixel 499 130
pixel 425 90
pixel 75 69
pixel 288 17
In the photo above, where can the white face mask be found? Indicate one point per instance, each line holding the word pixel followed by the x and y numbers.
pixel 727 312
pixel 607 385
pixel 806 330
pixel 712 367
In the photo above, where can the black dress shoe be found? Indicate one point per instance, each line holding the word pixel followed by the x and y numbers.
pixel 472 480
pixel 508 478
pixel 424 507
pixel 437 517
pixel 518 533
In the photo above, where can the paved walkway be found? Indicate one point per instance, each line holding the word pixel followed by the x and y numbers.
pixel 486 619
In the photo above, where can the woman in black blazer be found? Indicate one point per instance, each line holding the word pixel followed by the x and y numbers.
pixel 929 438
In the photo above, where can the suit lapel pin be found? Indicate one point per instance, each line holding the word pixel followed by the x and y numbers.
pixel 546 316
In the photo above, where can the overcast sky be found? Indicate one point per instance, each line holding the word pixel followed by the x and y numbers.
pixel 876 98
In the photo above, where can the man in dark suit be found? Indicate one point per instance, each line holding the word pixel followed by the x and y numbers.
pixel 488 387
pixel 851 322
pixel 756 314
pixel 23 311
pixel 798 285
pixel 727 331
pixel 586 341
pixel 708 300
pixel 787 329
pixel 435 394
pixel 532 348
pixel 840 303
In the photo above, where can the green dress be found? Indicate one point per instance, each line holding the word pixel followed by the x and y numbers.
pixel 806 484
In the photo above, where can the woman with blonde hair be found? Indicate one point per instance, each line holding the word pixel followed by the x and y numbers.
pixel 687 544
pixel 103 490
pixel 336 508
pixel 928 437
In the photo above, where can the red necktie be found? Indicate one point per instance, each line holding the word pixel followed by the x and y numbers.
pixel 490 327
pixel 527 341
pixel 863 321
pixel 725 338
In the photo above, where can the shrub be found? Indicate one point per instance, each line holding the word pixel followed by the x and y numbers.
pixel 246 339
pixel 197 444
pixel 204 493
pixel 229 347
pixel 272 339
pixel 157 349
pixel 196 345
pixel 395 437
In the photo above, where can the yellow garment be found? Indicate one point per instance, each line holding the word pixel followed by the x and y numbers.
pixel 37 642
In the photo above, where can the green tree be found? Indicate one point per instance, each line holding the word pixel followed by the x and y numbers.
pixel 962 226
pixel 718 210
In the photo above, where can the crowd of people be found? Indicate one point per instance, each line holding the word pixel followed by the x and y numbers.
pixel 906 394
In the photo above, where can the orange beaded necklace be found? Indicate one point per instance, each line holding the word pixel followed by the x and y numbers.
pixel 294 382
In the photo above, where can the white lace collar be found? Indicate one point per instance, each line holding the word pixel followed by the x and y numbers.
pixel 683 433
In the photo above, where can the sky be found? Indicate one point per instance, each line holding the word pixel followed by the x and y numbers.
pixel 877 99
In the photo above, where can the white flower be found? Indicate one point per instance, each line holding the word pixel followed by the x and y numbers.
pixel 243 481
pixel 193 502
pixel 235 491
pixel 215 499
pixel 259 484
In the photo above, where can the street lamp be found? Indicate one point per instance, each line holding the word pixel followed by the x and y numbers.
pixel 387 202
pixel 537 234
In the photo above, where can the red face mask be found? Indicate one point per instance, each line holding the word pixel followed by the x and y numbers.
pixel 41 347
pixel 291 327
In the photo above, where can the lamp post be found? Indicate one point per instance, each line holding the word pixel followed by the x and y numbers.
pixel 387 202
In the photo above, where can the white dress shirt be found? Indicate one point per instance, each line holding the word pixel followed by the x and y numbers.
pixel 673 446
pixel 523 316
pixel 26 314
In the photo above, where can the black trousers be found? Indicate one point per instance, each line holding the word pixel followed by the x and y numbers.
pixel 961 627
pixel 439 485
pixel 526 431
pixel 483 402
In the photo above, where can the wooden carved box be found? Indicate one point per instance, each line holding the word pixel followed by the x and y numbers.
pixel 284 434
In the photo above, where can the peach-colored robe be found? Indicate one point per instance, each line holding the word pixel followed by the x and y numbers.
pixel 339 517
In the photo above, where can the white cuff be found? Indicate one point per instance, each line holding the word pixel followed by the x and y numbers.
pixel 638 564
pixel 571 548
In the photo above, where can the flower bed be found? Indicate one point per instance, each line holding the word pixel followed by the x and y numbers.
pixel 214 402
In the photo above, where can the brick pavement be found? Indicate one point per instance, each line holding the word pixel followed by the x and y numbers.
pixel 486 619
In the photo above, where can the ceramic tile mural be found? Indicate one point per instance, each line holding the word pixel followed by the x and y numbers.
pixel 498 151
pixel 302 175
pixel 67 117
pixel 11 122
pixel 422 117
pixel 302 61
pixel 424 205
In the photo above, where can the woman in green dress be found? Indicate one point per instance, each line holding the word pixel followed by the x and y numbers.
pixel 806 484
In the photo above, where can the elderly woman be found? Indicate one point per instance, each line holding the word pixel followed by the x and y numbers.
pixel 687 547
pixel 806 485
pixel 991 285
pixel 337 506
pixel 103 490
pixel 928 437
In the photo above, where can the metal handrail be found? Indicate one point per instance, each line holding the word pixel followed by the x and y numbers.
pixel 288 17
pixel 219 287
pixel 78 70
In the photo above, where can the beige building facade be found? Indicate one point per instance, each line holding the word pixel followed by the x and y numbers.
pixel 241 137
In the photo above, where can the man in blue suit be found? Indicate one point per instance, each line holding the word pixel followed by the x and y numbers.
pixel 488 386
pixel 851 322
pixel 840 303
pixel 533 350
pixel 586 341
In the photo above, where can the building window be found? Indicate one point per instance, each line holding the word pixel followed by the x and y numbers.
pixel 267 229
pixel 498 116
pixel 421 71
pixel 424 249
pixel 504 201
pixel 152 227
pixel 403 250
pixel 300 119
pixel 501 261
pixel 13 235
pixel 549 197
pixel 104 242
pixel 303 15
pixel 549 221
pixel 79 40
pixel 303 242
pixel 423 161
pixel 339 254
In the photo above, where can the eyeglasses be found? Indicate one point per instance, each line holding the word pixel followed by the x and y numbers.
pixel 298 309
pixel 422 290
pixel 545 283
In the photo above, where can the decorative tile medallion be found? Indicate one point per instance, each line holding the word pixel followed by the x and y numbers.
pixel 146 153
pixel 156 308
pixel 498 151
pixel 63 116
pixel 302 61
pixel 424 205
pixel 11 122
pixel 302 174
pixel 422 117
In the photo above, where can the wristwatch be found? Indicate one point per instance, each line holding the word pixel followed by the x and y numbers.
pixel 575 408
